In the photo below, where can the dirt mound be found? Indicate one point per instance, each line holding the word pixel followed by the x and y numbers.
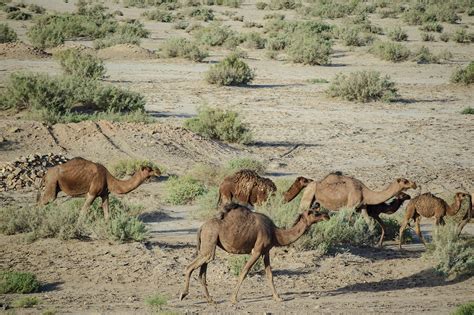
pixel 19 50
pixel 125 51
pixel 79 47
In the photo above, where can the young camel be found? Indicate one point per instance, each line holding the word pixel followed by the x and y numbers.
pixel 79 177
pixel 242 231
pixel 374 211
pixel 337 191
pixel 428 206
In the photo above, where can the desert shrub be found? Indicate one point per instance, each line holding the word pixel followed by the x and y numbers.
pixel 220 125
pixel 317 81
pixel 282 4
pixel 237 262
pixel 424 56
pixel 353 36
pixel 420 13
pixel 207 204
pixel 19 15
pixel 254 40
pixel 432 27
pixel 182 47
pixel 128 167
pixel 452 255
pixel 132 27
pixel 213 35
pixel 230 71
pixel 159 15
pixel 464 76
pixel 25 302
pixel 332 9
pixel 388 13
pixel 7 34
pixel 157 301
pixel 183 190
pixel 362 86
pixel 125 228
pixel 250 24
pixel 116 39
pixel 181 24
pixel 12 8
pixel 468 111
pixel 201 13
pixel 115 99
pixel 36 8
pixel 389 51
pixel 18 282
pixel 427 37
pixel 397 34
pixel 274 16
pixel 444 37
pixel 238 164
pixel 461 36
pixel 261 5
pixel 464 309
pixel 311 51
pixel 81 65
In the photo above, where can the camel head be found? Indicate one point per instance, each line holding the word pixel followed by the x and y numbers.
pixel 405 184
pixel 303 181
pixel 461 195
pixel 402 196
pixel 313 215
pixel 147 172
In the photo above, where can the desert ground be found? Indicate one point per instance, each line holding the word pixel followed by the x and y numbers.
pixel 298 131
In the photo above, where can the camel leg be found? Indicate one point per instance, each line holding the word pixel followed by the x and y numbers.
pixel 382 226
pixel 196 263
pixel 418 230
pixel 253 259
pixel 50 193
pixel 408 215
pixel 89 200
pixel 365 215
pixel 105 206
pixel 268 271
pixel 202 277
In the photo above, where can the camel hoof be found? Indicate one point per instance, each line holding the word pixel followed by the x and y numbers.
pixel 182 296
pixel 233 300
pixel 278 299
pixel 211 301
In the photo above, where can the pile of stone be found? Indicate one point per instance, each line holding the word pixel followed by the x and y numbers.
pixel 27 171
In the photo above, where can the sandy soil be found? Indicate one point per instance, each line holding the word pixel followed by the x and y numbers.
pixel 298 131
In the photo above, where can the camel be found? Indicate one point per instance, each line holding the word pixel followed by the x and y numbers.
pixel 242 231
pixel 468 215
pixel 337 191
pixel 427 205
pixel 295 188
pixel 78 177
pixel 374 211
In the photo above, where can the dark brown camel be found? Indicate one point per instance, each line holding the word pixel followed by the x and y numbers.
pixel 374 211
pixel 242 231
pixel 79 177
pixel 427 205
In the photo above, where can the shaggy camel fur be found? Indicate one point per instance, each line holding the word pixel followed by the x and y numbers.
pixel 427 205
pixel 242 231
pixel 374 211
pixel 337 191
pixel 79 177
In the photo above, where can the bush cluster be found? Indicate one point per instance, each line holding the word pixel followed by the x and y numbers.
pixel 81 65
pixel 362 86
pixel 183 190
pixel 397 34
pixel 389 51
pixel 219 125
pixel 184 48
pixel 230 71
pixel 129 167
pixel 7 34
pixel 18 282
pixel 464 75
pixel 214 34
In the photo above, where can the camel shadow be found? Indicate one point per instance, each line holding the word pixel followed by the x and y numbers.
pixel 289 272
pixel 375 254
pixel 158 114
pixel 414 100
pixel 176 231
pixel 7 145
pixel 427 278
pixel 53 286
pixel 163 245
pixel 269 86
pixel 155 216
pixel 271 144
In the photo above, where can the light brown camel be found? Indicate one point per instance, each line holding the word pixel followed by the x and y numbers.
pixel 427 205
pixel 242 231
pixel 295 188
pixel 337 191
pixel 79 177
pixel 468 215
pixel 374 211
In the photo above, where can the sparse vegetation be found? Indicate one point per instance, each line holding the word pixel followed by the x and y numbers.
pixel 464 309
pixel 254 40
pixel 128 167
pixel 311 51
pixel 389 51
pixel 397 34
pixel 18 282
pixel 36 8
pixel 25 302
pixel 159 16
pixel 424 56
pixel 157 301
pixel 238 164
pixel 468 111
pixel 183 190
pixel 427 37
pixel 353 36
pixel 184 48
pixel 317 81
pixel 444 37
pixel 201 13
pixel 237 262
pixel 260 5
pixel 461 36
pixel 81 65
pixel 452 255
pixel 282 5
pixel 230 71
pixel 464 75
pixel 19 15
pixel 213 35
pixel 432 27
pixel 362 86
pixel 7 34
pixel 219 124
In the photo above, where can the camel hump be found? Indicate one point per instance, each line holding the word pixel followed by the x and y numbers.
pixel 231 206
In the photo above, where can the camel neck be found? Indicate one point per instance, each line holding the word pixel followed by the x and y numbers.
pixel 286 237
pixel 453 209
pixel 118 186
pixel 375 197
pixel 292 192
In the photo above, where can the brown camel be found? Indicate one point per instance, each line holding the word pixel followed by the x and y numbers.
pixel 242 231
pixel 295 188
pixel 337 191
pixel 468 215
pixel 374 211
pixel 427 205
pixel 79 177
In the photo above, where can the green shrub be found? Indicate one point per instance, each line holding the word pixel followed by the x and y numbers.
pixel 461 36
pixel 427 37
pixel 213 35
pixel 157 301
pixel 420 13
pixel 207 204
pixel 36 8
pixel 133 28
pixel 238 164
pixel 81 65
pixel 464 309
pixel 125 228
pixel 201 13
pixel 397 34
pixel 311 51
pixel 468 111
pixel 237 262
pixel 432 27
pixel 254 40
pixel 362 86
pixel 230 71
pixel 8 8
pixel 261 5
pixel 115 99
pixel 389 51
pixel 424 56
pixel 181 24
pixel 18 282
pixel 452 255
pixel 353 36
pixel 464 76
pixel 182 47
pixel 282 4
pixel 444 37
pixel 19 15
pixel 116 39
pixel 25 302
pixel 128 167
pixel 220 125
pixel 159 15
pixel 7 34
pixel 183 190
pixel 332 9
